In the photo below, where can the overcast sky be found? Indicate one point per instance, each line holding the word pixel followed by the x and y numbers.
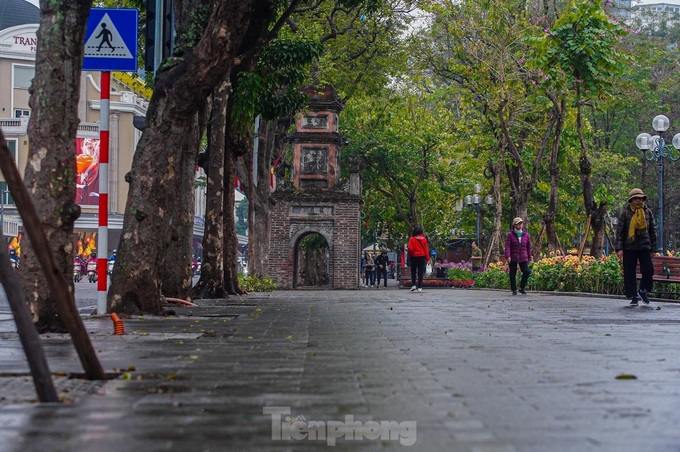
pixel 647 2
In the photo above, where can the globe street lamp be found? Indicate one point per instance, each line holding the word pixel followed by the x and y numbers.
pixel 475 200
pixel 655 148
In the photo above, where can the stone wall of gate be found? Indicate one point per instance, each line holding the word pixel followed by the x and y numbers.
pixel 334 215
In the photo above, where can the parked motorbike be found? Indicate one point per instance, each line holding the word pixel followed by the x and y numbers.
pixel 78 269
pixel 14 259
pixel 111 262
pixel 92 270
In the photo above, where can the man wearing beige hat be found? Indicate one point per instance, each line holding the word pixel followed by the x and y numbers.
pixel 518 252
pixel 635 240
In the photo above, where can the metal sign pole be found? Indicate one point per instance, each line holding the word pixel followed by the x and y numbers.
pixel 103 231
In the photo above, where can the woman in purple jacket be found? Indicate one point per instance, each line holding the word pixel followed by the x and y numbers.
pixel 518 251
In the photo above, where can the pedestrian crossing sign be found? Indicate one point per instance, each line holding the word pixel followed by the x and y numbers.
pixel 111 40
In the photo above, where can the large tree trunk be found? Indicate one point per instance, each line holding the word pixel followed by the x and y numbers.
pixel 597 213
pixel 230 246
pixel 519 196
pixel 522 181
pixel 551 213
pixel 52 128
pixel 312 265
pixel 270 147
pixel 238 144
pixel 494 247
pixel 211 282
pixel 261 200
pixel 177 273
pixel 179 93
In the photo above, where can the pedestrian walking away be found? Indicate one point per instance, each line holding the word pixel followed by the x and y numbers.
pixel 419 255
pixel 635 241
pixel 518 252
pixel 370 271
pixel 381 263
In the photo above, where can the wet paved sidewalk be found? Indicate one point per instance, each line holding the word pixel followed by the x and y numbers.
pixel 444 370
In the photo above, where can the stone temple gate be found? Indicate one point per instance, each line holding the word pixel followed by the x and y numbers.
pixel 316 201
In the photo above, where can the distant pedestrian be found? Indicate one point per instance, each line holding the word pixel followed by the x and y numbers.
pixel 381 263
pixel 419 254
pixel 440 270
pixel 369 268
pixel 635 241
pixel 518 251
pixel 476 257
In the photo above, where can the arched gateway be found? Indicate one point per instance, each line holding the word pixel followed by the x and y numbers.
pixel 315 202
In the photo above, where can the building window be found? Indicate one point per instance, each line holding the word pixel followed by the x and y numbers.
pixel 22 113
pixel 5 197
pixel 12 145
pixel 23 75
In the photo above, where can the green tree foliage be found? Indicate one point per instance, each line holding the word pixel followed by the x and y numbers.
pixel 476 50
pixel 405 144
pixel 272 89
pixel 579 52
pixel 364 50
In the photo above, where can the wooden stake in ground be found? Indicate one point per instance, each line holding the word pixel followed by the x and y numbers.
pixel 30 339
pixel 585 237
pixel 63 299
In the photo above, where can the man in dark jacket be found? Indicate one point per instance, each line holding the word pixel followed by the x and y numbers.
pixel 381 263
pixel 635 241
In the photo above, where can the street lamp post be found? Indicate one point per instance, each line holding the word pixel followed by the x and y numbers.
pixel 654 148
pixel 613 221
pixel 471 200
pixel 475 200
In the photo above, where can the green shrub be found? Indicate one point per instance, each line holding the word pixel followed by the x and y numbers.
pixel 667 290
pixel 561 274
pixel 256 283
pixel 459 274
pixel 494 277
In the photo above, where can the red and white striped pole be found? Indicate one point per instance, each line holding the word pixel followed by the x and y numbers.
pixel 103 231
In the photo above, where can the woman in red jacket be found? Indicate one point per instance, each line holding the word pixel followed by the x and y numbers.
pixel 419 254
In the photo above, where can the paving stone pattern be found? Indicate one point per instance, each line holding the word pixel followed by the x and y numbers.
pixel 452 370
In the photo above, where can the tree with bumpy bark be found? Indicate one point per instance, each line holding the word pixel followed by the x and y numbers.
pixel 215 41
pixel 50 174
pixel 210 40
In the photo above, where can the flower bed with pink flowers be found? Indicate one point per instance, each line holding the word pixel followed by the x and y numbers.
pixel 439 283
pixel 461 284
pixel 458 276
